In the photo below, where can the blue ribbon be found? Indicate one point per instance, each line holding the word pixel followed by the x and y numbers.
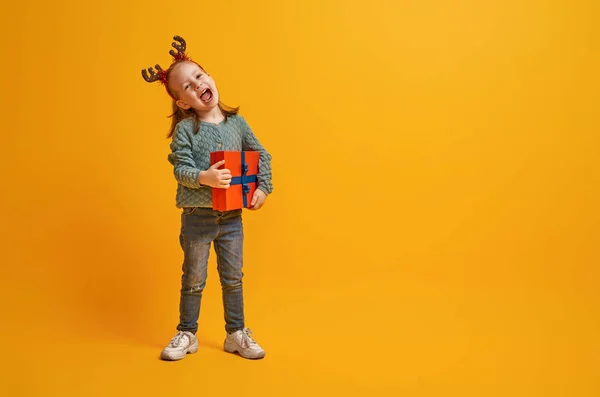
pixel 244 180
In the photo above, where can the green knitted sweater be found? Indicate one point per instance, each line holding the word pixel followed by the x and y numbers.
pixel 190 154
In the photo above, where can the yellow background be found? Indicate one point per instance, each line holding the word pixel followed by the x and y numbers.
pixel 434 228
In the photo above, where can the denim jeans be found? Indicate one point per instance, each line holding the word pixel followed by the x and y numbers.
pixel 199 227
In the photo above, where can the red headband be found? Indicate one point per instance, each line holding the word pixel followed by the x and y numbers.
pixel 160 74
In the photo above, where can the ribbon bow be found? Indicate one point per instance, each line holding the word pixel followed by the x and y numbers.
pixel 244 180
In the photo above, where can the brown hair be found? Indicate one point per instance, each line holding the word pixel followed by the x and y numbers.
pixel 181 114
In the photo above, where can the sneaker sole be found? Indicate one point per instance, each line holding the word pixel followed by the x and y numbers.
pixel 174 357
pixel 231 348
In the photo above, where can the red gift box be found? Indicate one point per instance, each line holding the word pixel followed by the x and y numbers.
pixel 244 170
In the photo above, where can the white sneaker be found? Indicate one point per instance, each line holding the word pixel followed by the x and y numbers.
pixel 241 341
pixel 183 342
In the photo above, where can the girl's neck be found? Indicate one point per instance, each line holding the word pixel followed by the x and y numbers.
pixel 214 115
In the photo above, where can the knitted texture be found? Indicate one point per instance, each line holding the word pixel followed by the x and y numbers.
pixel 190 154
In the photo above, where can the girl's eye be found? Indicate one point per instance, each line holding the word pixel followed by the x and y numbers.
pixel 186 87
pixel 198 76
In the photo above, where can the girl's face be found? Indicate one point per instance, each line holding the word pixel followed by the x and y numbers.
pixel 194 88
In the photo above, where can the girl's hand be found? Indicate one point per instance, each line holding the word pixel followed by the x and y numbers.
pixel 258 200
pixel 215 177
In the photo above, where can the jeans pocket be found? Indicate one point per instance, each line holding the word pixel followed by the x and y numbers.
pixel 188 210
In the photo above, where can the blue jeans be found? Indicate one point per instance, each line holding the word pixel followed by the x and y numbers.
pixel 199 227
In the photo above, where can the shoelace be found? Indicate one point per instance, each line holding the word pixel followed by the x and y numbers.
pixel 247 340
pixel 175 342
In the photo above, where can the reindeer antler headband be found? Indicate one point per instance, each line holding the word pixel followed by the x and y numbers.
pixel 161 75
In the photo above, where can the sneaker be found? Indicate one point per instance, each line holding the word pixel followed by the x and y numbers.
pixel 241 341
pixel 183 342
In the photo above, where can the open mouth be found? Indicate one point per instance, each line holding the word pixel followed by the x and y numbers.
pixel 206 96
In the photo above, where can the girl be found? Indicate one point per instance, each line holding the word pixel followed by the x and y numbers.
pixel 201 124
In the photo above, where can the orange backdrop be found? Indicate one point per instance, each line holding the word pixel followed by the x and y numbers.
pixel 434 227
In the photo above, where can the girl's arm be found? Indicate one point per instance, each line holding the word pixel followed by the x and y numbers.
pixel 184 167
pixel 251 143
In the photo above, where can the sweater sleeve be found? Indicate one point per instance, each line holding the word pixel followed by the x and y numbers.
pixel 251 143
pixel 184 167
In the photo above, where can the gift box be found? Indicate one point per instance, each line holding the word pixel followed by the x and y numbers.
pixel 244 170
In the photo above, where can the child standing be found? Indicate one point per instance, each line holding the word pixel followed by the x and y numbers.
pixel 202 124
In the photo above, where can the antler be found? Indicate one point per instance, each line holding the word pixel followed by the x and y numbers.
pixel 153 75
pixel 179 47
pixel 160 75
